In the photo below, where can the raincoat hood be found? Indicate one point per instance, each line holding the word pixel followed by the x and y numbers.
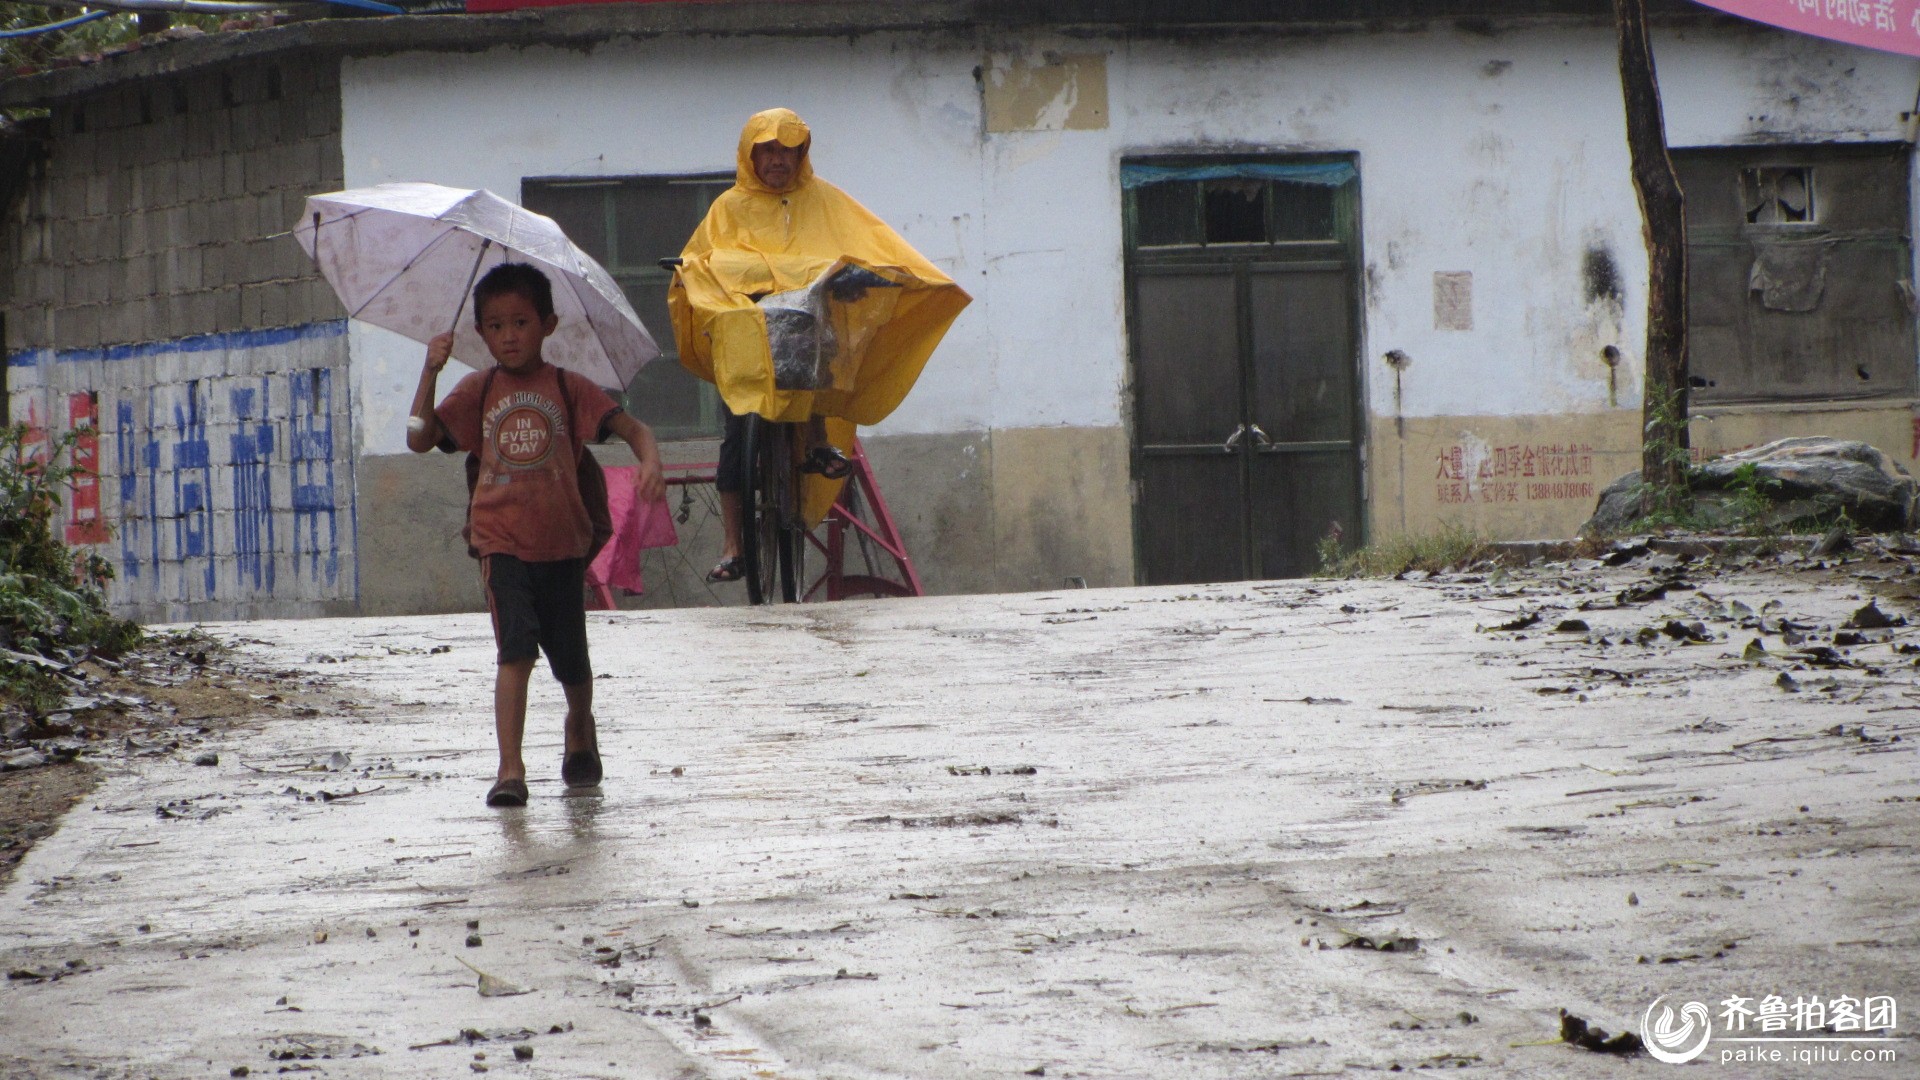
pixel 785 127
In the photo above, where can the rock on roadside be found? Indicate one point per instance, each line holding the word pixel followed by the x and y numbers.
pixel 1805 477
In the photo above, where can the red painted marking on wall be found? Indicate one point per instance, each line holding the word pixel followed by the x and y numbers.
pixel 84 523
pixel 34 448
pixel 1515 473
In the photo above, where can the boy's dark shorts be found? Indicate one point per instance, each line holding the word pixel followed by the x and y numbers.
pixel 539 607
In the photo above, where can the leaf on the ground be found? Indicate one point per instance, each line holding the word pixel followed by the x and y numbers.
pixel 1823 656
pixel 1755 650
pixel 1872 618
pixel 1383 943
pixel 1645 593
pixel 1435 787
pixel 1692 633
pixel 22 759
pixel 1788 683
pixel 1518 622
pixel 1623 554
pixel 1588 1037
pixel 1837 539
pixel 37 661
pixel 492 986
pixel 1571 626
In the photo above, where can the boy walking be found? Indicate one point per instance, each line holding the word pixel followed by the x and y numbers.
pixel 529 422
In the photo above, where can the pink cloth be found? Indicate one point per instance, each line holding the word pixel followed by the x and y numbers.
pixel 636 525
pixel 1893 25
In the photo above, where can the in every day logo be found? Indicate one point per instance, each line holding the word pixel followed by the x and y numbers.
pixel 524 427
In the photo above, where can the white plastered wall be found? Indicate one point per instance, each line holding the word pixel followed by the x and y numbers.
pixel 1502 156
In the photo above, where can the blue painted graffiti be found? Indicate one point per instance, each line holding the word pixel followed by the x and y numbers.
pixel 151 453
pixel 310 452
pixel 218 479
pixel 126 457
pixel 252 458
pixel 193 495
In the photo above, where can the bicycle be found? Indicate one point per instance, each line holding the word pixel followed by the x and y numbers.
pixel 773 531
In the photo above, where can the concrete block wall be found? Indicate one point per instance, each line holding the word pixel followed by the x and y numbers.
pixel 147 275
pixel 160 210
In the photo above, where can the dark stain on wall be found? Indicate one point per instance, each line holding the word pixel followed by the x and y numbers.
pixel 1602 280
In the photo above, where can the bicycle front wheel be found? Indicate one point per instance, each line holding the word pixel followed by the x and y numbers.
pixel 770 512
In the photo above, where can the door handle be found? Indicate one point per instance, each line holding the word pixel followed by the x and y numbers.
pixel 1233 440
pixel 1260 435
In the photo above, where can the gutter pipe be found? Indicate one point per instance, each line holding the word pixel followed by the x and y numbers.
pixel 218 7
pixel 48 28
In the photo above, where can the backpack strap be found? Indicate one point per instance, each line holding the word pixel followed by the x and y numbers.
pixel 473 457
pixel 591 477
pixel 566 403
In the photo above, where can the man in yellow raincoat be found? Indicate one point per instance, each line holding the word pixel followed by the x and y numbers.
pixel 798 303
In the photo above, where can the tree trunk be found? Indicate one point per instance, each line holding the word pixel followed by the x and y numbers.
pixel 1663 448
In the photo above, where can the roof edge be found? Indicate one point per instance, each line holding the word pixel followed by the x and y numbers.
pixel 591 24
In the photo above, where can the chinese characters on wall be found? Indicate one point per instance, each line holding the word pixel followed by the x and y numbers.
pixel 1514 474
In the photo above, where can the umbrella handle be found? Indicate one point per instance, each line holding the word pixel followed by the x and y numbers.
pixel 471 274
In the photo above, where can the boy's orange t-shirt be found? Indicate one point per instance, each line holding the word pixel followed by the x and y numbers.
pixel 527 503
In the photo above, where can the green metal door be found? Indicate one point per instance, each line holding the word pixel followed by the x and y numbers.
pixel 1242 308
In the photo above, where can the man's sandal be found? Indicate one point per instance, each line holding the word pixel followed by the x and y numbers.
pixel 729 569
pixel 507 793
pixel 828 462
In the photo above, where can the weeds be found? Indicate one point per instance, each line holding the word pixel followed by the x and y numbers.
pixel 51 604
pixel 1745 504
pixel 1748 499
pixel 1452 545
pixel 1665 445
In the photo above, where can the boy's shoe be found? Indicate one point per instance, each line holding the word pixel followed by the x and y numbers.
pixel 507 793
pixel 581 768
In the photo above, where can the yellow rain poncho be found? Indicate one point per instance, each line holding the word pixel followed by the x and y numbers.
pixel 800 301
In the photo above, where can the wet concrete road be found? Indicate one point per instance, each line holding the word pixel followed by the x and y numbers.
pixel 1132 833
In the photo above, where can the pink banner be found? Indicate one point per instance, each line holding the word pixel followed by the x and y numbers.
pixel 1893 25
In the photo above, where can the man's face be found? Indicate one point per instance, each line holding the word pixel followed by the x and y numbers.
pixel 776 165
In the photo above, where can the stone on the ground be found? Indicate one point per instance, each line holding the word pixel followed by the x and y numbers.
pixel 1812 477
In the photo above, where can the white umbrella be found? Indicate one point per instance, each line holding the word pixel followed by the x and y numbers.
pixel 405 257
